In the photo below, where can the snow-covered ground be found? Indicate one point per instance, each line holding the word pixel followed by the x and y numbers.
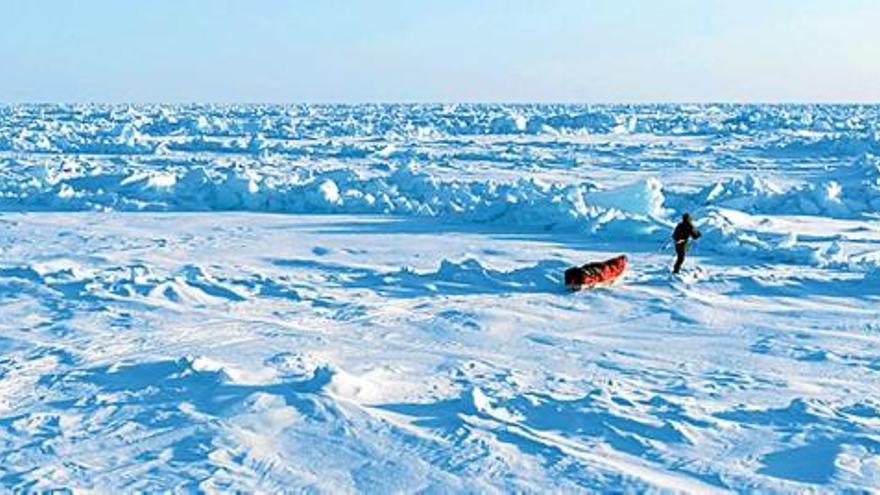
pixel 369 298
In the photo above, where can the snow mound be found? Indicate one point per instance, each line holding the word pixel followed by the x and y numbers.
pixel 849 191
pixel 468 276
pixel 722 234
pixel 742 193
pixel 643 198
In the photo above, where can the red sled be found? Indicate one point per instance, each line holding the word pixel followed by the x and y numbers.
pixel 592 274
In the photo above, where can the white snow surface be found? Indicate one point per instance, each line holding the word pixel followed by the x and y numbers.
pixel 369 299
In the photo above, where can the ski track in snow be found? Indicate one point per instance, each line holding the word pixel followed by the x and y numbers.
pixel 369 299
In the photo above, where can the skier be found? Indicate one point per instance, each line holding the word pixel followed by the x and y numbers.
pixel 682 234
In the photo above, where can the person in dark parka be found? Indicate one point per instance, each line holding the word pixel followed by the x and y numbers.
pixel 683 233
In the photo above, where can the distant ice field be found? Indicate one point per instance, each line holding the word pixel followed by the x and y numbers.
pixel 369 298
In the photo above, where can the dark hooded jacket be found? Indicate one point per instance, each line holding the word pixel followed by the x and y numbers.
pixel 684 231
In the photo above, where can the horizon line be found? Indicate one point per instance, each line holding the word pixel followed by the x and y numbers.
pixel 440 103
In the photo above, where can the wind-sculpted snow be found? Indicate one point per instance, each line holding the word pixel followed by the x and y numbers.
pixel 369 298
pixel 256 352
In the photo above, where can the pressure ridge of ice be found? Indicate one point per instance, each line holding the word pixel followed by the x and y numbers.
pixel 386 160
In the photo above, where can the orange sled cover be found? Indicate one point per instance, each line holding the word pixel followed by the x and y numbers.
pixel 579 277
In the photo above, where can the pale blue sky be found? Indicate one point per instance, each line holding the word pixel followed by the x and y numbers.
pixel 452 50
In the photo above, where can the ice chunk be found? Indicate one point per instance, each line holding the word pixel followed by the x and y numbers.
pixel 644 197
